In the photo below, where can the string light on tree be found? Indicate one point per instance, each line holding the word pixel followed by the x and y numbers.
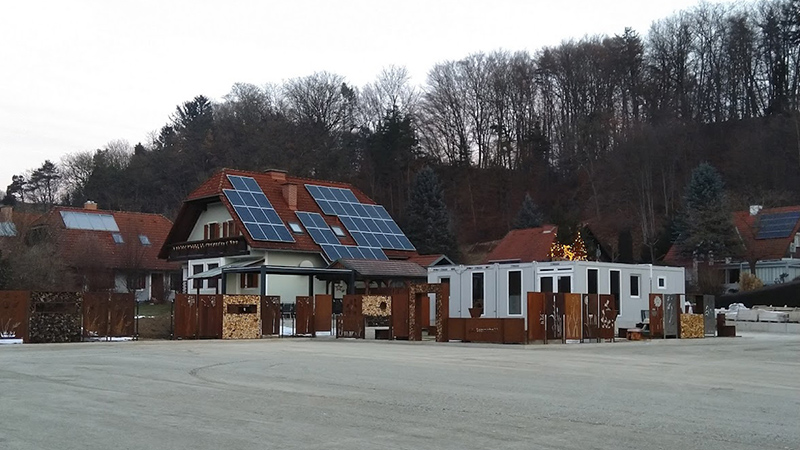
pixel 567 252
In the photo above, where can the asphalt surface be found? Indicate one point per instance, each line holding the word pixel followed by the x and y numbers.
pixel 741 393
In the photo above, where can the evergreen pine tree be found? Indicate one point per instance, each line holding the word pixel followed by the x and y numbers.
pixel 707 229
pixel 529 215
pixel 429 225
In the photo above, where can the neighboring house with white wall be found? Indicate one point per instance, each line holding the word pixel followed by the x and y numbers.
pixel 241 218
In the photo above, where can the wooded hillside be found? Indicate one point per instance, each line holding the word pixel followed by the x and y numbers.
pixel 603 130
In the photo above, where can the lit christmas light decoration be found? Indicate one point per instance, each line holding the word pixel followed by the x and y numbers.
pixel 566 252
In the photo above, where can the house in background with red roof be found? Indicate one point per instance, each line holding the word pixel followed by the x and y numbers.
pixel 525 245
pixel 110 250
pixel 239 225
pixel 771 247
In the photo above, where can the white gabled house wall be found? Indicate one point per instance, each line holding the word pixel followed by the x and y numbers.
pixel 573 275
pixel 286 286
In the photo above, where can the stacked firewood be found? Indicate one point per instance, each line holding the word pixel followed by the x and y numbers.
pixel 376 305
pixel 55 317
pixel 692 326
pixel 237 325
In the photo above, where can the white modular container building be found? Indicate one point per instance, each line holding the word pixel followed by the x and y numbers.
pixel 501 288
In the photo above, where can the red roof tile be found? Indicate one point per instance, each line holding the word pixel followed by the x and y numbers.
pixel 530 244
pixel 89 247
pixel 271 183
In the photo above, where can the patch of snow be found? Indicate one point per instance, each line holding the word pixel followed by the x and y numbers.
pixel 6 341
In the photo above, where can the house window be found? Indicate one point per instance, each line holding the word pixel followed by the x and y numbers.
pixel 337 231
pixel 662 282
pixel 515 292
pixel 135 281
pixel 614 288
pixel 732 275
pixel 118 238
pixel 565 284
pixel 635 286
pixel 546 284
pixel 197 269
pixel 592 276
pixel 296 228
pixel 144 240
pixel 212 282
pixel 248 280
pixel 477 290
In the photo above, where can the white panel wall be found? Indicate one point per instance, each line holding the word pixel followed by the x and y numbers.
pixel 215 212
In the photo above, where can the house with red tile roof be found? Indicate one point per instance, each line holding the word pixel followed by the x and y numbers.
pixel 771 246
pixel 526 245
pixel 110 250
pixel 295 228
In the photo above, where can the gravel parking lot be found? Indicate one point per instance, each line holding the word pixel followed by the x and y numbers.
pixel 741 393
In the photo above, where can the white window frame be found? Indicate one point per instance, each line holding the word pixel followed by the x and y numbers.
pixel 472 290
pixel 661 283
pixel 638 285
pixel 521 291
pixel 549 275
pixel 619 300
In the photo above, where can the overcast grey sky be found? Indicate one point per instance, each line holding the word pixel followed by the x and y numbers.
pixel 78 74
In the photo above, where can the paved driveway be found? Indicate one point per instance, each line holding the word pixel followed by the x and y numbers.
pixel 741 393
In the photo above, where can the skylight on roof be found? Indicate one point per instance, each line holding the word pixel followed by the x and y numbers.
pixel 144 240
pixel 295 227
pixel 118 238
pixel 75 220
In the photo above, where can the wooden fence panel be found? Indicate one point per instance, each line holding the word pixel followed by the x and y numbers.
pixel 572 317
pixel 209 321
pixel 323 310
pixel 185 316
pixel 304 313
pixel 14 309
pixel 536 316
pixel 270 315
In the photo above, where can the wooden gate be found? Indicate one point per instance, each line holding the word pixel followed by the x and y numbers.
pixel 351 323
pixel 304 313
pixel 270 315
pixel 209 320
pixel 323 311
pixel 185 317
pixel 536 317
pixel 400 314
pixel 108 314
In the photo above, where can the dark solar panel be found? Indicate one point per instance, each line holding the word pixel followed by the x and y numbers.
pixel 777 226
pixel 370 225
pixel 255 210
pixel 322 234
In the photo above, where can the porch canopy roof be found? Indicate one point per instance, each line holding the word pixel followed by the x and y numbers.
pixel 390 269
pixel 217 271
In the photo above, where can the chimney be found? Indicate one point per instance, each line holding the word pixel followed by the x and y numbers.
pixel 90 205
pixel 290 195
pixel 6 213
pixel 755 209
pixel 276 174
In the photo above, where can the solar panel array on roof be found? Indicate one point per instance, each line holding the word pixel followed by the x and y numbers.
pixel 370 225
pixel 775 226
pixel 255 210
pixel 75 220
pixel 321 233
